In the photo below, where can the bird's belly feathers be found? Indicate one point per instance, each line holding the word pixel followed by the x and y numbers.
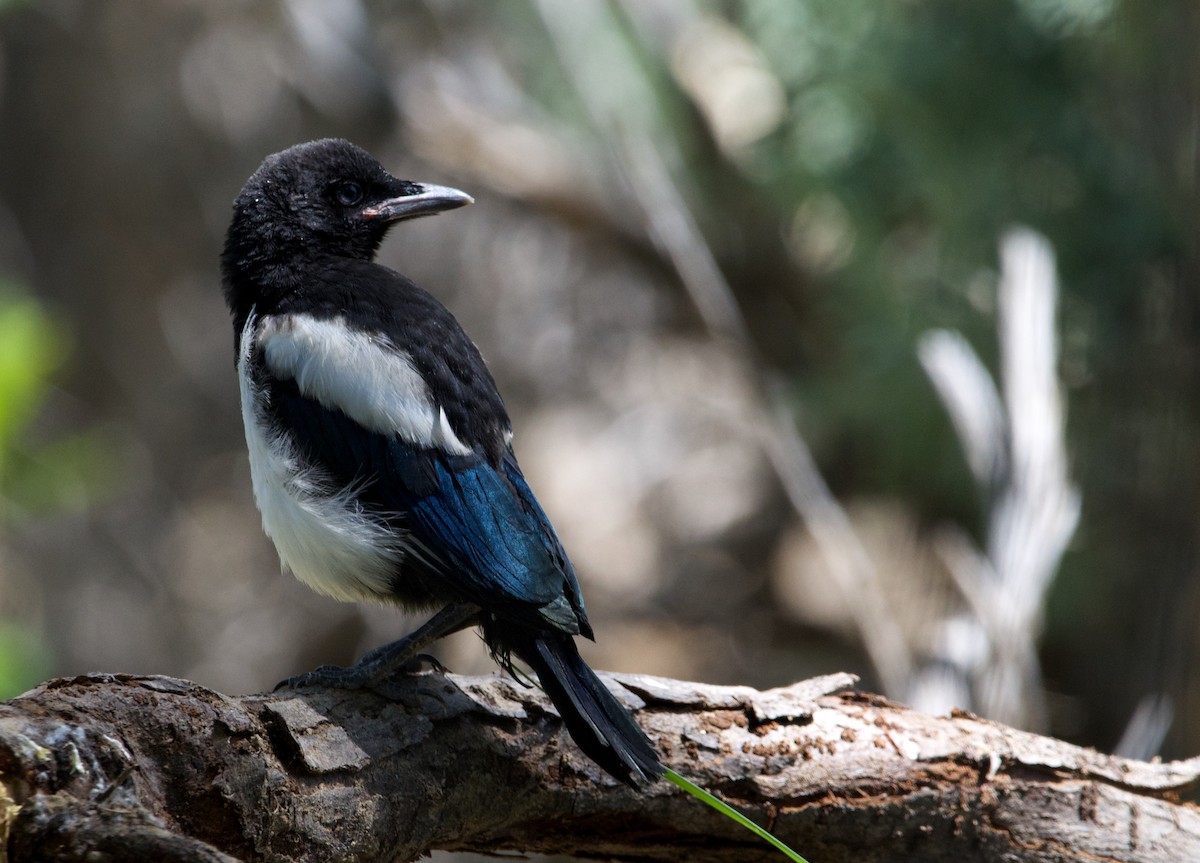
pixel 321 532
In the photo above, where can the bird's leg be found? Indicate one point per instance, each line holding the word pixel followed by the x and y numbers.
pixel 390 659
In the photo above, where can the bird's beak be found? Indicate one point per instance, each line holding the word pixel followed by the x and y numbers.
pixel 425 200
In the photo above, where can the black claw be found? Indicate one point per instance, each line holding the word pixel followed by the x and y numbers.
pixel 414 665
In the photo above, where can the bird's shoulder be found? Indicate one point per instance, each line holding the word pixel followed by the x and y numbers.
pixel 364 339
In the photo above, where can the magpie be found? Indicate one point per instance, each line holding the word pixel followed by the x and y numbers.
pixel 380 449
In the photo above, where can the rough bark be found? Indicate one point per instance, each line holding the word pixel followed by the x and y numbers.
pixel 122 767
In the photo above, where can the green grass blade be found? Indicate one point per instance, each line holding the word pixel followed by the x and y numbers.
pixel 729 812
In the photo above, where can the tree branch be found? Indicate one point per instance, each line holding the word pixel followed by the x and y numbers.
pixel 162 769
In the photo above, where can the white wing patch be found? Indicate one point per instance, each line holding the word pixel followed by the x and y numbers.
pixel 371 381
pixel 321 533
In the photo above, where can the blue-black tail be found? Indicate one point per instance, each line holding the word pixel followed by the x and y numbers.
pixel 598 723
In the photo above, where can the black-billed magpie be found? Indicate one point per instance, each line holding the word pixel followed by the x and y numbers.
pixel 380 449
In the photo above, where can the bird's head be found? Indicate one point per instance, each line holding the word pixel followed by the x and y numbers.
pixel 324 197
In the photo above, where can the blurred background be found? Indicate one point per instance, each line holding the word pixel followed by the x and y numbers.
pixel 738 271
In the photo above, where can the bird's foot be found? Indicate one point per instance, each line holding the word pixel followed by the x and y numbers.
pixel 335 676
pixel 367 673
pixel 390 660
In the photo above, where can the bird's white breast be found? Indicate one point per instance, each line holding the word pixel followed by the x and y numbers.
pixel 321 532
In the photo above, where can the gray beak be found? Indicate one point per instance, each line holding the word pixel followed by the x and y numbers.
pixel 429 200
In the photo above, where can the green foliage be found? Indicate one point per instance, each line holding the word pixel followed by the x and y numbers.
pixel 35 475
pixel 24 658
pixel 920 131
pixel 30 349
pixel 38 476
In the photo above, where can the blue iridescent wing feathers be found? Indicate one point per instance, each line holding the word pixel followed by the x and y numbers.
pixel 478 532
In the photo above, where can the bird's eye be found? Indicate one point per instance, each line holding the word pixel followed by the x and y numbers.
pixel 348 193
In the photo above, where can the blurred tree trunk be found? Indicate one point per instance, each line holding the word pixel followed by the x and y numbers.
pixel 124 767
